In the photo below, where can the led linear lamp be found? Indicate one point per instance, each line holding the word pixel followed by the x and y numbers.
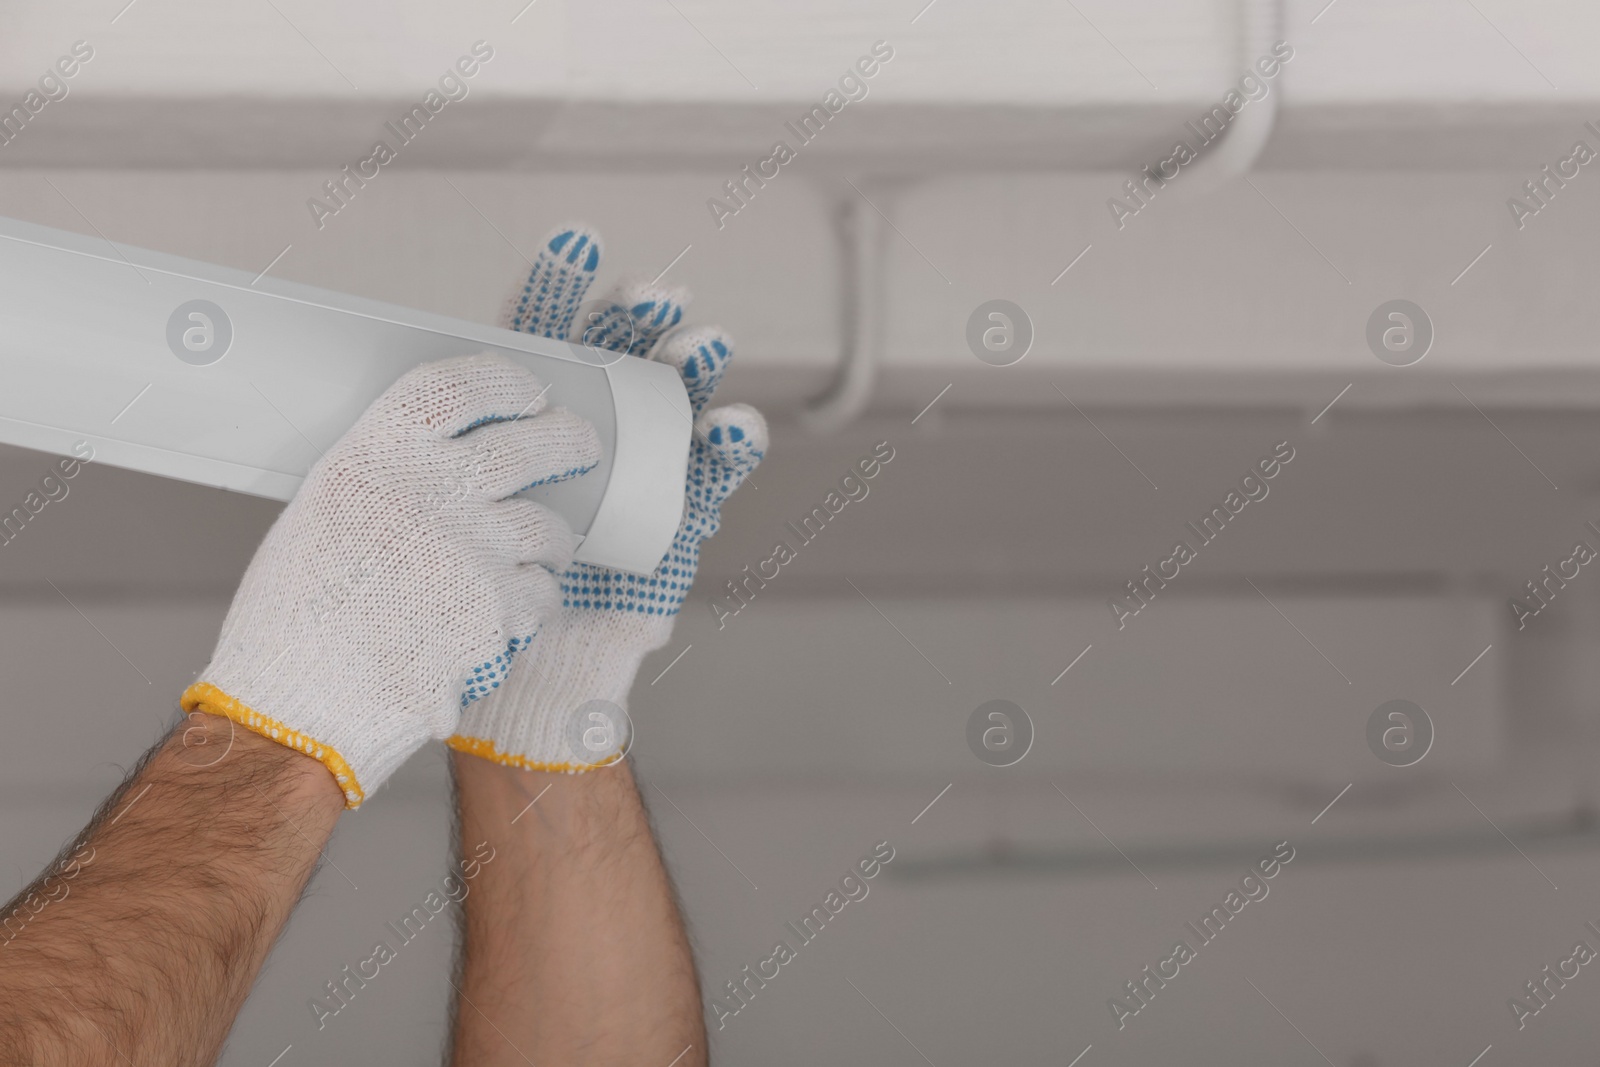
pixel 241 381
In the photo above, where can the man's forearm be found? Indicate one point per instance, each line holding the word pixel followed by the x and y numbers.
pixel 573 951
pixel 141 945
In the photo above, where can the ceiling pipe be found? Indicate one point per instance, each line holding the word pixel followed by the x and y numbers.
pixel 1576 830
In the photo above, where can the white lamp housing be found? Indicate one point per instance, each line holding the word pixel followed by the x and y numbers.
pixel 205 374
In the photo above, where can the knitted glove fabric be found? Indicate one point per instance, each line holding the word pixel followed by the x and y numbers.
pixel 397 585
pixel 564 706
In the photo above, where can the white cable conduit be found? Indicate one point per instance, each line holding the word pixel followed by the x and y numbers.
pixel 1260 24
pixel 860 230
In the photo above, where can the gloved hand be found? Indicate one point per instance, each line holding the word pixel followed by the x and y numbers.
pixel 552 712
pixel 397 585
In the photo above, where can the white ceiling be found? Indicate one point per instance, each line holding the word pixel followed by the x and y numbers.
pixel 1030 52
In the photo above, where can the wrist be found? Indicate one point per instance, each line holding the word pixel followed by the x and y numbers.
pixel 565 810
pixel 214 745
pixel 358 758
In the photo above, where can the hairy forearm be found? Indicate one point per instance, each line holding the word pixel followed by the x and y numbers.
pixel 141 944
pixel 573 949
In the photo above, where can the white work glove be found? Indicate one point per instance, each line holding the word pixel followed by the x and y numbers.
pixel 396 586
pixel 564 706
